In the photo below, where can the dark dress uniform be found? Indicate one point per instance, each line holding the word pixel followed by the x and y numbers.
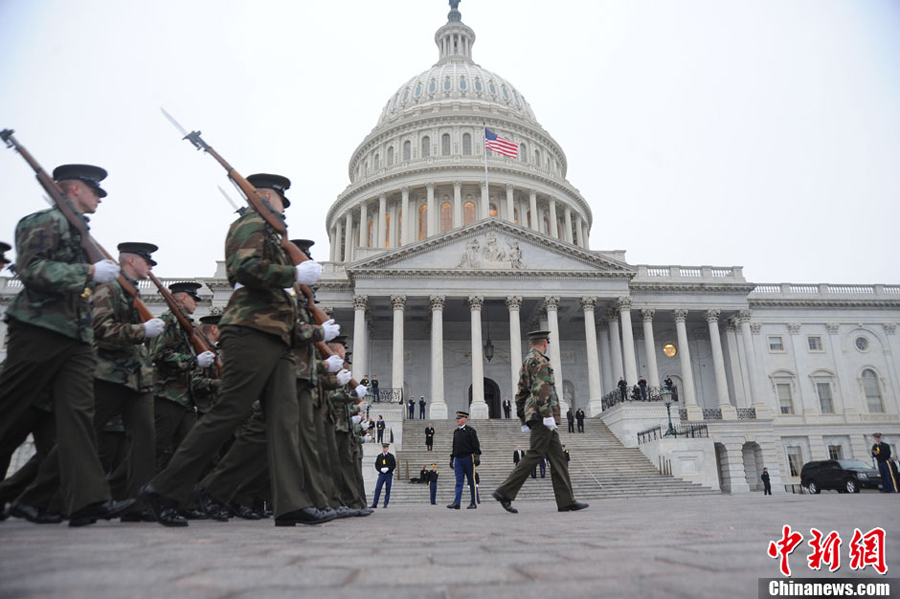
pixel 432 478
pixel 767 485
pixel 579 416
pixel 429 437
pixel 385 464
pixel 881 451
pixel 463 459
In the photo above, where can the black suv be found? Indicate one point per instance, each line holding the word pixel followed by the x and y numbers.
pixel 844 476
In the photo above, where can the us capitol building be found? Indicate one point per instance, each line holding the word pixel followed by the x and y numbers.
pixel 437 275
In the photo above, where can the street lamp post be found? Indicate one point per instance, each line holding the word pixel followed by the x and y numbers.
pixel 666 395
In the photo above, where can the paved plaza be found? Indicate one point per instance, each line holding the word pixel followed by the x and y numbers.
pixel 657 547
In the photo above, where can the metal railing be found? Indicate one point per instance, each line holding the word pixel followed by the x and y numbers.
pixel 653 394
pixel 688 431
pixel 387 396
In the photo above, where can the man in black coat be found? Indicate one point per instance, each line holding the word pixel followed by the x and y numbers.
pixel 518 454
pixel 385 464
pixel 429 436
pixel 422 408
pixel 882 453
pixel 579 416
pixel 411 408
pixel 466 454
pixel 623 388
pixel 767 485
pixel 507 408
pixel 570 416
pixel 379 427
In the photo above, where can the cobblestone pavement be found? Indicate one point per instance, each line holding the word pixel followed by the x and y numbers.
pixel 644 548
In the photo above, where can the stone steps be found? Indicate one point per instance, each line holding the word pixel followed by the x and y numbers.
pixel 600 468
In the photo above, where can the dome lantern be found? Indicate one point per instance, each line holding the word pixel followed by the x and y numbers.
pixel 454 40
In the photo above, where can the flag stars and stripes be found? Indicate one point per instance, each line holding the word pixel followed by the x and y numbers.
pixel 498 144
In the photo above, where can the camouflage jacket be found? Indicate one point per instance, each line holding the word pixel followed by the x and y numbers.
pixel 174 362
pixel 306 334
pixel 54 270
pixel 205 388
pixel 254 258
pixel 122 355
pixel 536 397
pixel 338 402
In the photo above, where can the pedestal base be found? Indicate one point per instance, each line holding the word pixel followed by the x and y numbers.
pixel 595 407
pixel 478 411
pixel 438 411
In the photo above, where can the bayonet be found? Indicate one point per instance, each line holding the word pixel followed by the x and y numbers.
pixel 239 210
pixel 193 136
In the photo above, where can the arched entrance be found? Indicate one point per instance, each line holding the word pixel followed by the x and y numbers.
pixel 753 465
pixel 491 398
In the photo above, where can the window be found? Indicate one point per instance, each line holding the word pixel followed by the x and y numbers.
pixel 528 218
pixel 537 158
pixel 447 84
pixel 523 153
pixel 432 86
pixel 795 460
pixel 426 147
pixel 423 221
pixel 872 389
pixel 377 162
pixel 467 144
pixel 835 452
pixel 785 399
pixel 407 150
pixel 446 217
pixel 546 229
pixel 462 82
pixel 370 242
pixel 418 91
pixel 814 343
pixel 862 344
pixel 478 85
pixel 826 401
pixel 445 144
pixel 469 213
pixel 670 350
pixel 390 156
pixel 399 227
pixel 516 215
pixel 776 343
pixel 493 210
pixel 387 227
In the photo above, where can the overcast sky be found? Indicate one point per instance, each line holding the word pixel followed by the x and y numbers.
pixel 763 133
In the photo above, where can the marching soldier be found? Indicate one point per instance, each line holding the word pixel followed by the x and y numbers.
pixel 175 363
pixel 50 350
pixel 257 337
pixel 538 409
pixel 466 454
pixel 205 381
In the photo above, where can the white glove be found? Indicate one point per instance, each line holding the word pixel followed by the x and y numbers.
pixel 331 330
pixel 363 405
pixel 365 425
pixel 367 439
pixel 205 359
pixel 335 363
pixel 550 423
pixel 105 271
pixel 356 419
pixel 384 470
pixel 308 272
pixel 361 392
pixel 525 429
pixel 153 327
pixel 344 377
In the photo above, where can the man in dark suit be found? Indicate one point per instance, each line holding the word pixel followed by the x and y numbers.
pixel 507 408
pixel 429 436
pixel 579 416
pixel 422 408
pixel 432 483
pixel 411 408
pixel 379 427
pixel 466 454
pixel 570 416
pixel 384 464
pixel 518 454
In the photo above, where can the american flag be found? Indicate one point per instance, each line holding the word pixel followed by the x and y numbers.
pixel 494 142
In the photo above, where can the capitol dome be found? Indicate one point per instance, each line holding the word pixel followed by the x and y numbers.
pixel 421 171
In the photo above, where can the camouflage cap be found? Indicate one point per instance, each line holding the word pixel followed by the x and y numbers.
pixel 276 182
pixel 186 287
pixel 87 173
pixel 139 249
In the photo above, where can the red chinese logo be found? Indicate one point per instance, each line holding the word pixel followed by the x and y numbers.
pixel 865 550
pixel 868 550
pixel 827 550
pixel 783 548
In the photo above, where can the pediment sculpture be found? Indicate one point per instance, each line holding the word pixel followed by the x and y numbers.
pixel 490 255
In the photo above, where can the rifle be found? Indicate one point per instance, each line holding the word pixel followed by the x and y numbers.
pixel 91 248
pixel 272 218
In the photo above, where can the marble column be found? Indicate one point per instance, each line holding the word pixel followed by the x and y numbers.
pixel 615 348
pixel 398 302
pixel 364 225
pixel 551 304
pixel 595 385
pixel 510 206
pixel 348 237
pixel 430 220
pixel 734 362
pixel 408 221
pixel 532 207
pixel 686 395
pixel 334 253
pixel 381 226
pixel 360 305
pixel 437 407
pixel 554 223
pixel 513 304
pixel 568 235
pixel 650 345
pixel 605 366
pixel 757 396
pixel 478 410
pixel 579 229
pixel 624 305
pixel 715 339
pixel 457 204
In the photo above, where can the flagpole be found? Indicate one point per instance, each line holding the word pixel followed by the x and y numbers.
pixel 487 195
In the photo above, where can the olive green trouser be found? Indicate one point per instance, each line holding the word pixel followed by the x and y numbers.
pixel 543 442
pixel 172 422
pixel 257 365
pixel 347 469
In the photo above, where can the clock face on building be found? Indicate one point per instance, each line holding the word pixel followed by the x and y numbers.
pixel 670 350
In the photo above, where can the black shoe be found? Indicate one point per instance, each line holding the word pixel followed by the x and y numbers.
pixel 364 512
pixel 578 505
pixel 211 507
pixel 242 511
pixel 102 510
pixel 471 506
pixel 372 507
pixel 3 515
pixel 453 506
pixel 194 514
pixel 32 514
pixel 163 509
pixel 506 503
pixel 144 516
pixel 308 515
pixel 345 512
